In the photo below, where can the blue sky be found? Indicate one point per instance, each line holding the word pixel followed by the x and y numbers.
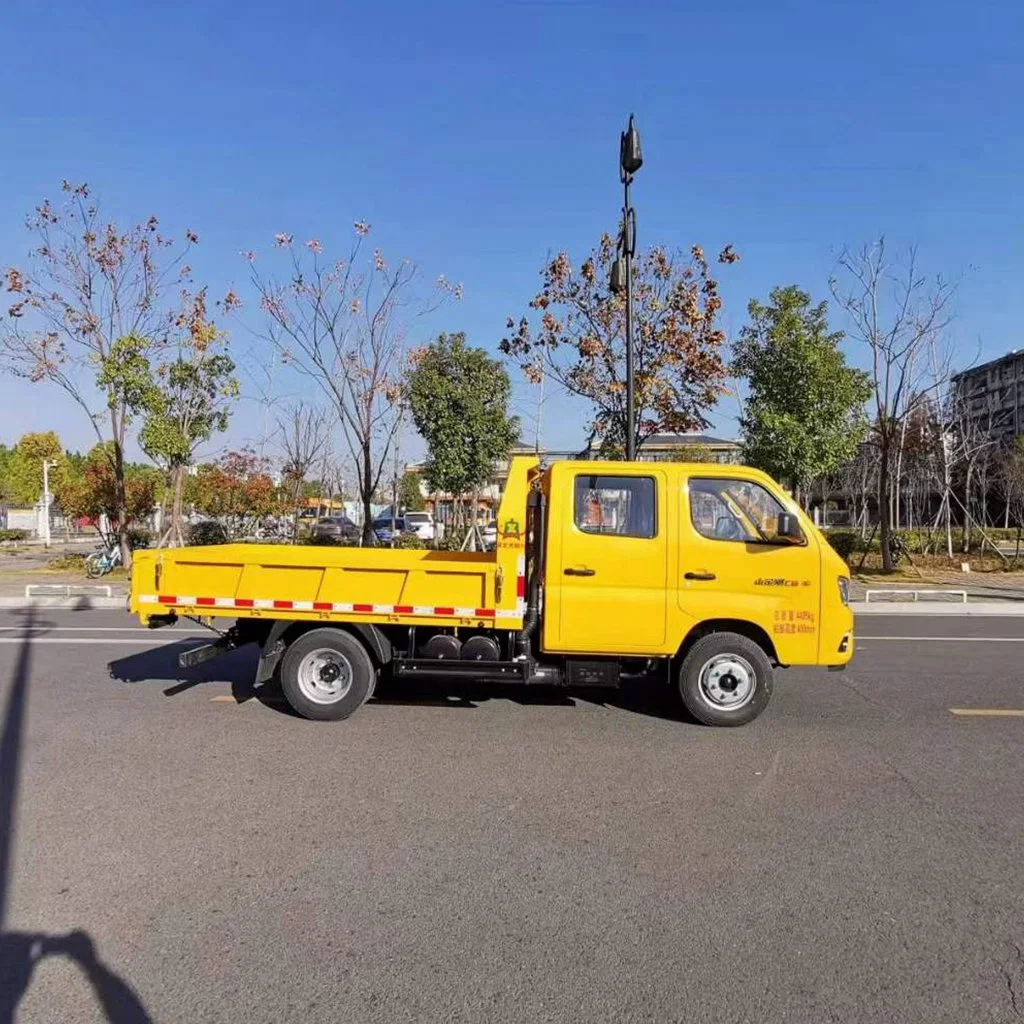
pixel 477 138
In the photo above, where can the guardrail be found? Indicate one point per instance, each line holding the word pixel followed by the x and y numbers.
pixel 916 593
pixel 68 590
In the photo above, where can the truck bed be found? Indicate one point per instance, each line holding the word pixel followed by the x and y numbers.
pixel 382 585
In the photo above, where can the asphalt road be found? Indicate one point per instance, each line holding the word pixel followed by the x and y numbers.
pixel 185 850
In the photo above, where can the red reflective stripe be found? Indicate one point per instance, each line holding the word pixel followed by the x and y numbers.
pixel 322 606
pixel 485 613
pixel 444 611
pixel 520 586
pixel 243 602
pixel 403 609
pixel 167 599
pixel 283 604
pixel 362 607
pixel 206 600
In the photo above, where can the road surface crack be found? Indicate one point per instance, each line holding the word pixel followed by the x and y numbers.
pixel 1007 971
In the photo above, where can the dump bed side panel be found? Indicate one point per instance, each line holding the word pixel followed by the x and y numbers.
pixel 382 585
pixel 368 584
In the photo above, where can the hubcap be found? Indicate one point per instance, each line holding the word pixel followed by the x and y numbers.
pixel 727 681
pixel 324 676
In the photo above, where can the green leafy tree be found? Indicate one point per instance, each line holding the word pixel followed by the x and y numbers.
pixel 579 340
pixel 459 400
pixel 185 402
pixel 410 494
pixel 804 416
pixel 23 467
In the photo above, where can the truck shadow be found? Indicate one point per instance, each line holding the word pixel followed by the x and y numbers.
pixel 641 695
pixel 21 951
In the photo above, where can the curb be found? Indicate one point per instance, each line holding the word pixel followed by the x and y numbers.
pixel 82 603
pixel 1006 608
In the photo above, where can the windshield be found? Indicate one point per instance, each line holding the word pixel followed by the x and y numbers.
pixel 419 518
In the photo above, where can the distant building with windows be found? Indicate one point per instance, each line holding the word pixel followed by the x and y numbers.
pixel 992 396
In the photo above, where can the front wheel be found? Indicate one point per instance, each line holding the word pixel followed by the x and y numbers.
pixel 326 674
pixel 725 679
pixel 94 566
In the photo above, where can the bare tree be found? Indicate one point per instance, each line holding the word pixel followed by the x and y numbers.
pixel 305 433
pixel 95 302
pixel 1011 486
pixel 897 313
pixel 343 326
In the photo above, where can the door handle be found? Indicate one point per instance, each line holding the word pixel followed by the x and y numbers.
pixel 699 576
pixel 580 572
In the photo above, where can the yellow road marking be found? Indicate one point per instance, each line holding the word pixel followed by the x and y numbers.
pixel 224 698
pixel 988 712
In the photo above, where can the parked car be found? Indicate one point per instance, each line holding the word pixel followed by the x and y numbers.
pixel 489 532
pixel 423 525
pixel 387 529
pixel 335 528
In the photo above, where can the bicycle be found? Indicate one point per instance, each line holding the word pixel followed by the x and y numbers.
pixel 101 561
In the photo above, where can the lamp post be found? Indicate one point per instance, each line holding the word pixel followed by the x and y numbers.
pixel 630 161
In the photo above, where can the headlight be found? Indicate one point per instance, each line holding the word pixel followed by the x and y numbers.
pixel 844 590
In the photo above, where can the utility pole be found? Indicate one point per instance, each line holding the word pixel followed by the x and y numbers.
pixel 46 501
pixel 630 161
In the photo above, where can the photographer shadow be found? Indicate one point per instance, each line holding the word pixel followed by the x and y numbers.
pixel 20 952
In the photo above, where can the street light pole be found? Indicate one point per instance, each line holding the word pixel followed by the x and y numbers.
pixel 46 502
pixel 630 161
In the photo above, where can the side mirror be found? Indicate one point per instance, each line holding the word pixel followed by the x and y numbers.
pixel 788 528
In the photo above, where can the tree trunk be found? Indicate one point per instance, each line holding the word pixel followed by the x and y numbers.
pixel 366 487
pixel 967 510
pixel 177 531
pixel 884 503
pixel 121 501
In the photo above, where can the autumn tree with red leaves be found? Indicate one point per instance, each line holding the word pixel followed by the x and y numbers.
pixel 579 340
pixel 89 290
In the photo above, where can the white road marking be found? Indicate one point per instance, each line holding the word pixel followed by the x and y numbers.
pixel 89 640
pixel 101 629
pixel 955 639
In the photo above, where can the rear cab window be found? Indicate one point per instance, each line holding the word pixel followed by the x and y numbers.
pixel 618 506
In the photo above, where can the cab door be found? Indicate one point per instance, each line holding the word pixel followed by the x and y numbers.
pixel 733 565
pixel 606 588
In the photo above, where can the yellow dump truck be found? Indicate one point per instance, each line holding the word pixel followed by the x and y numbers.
pixel 709 572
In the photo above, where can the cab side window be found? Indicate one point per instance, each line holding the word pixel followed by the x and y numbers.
pixel 736 510
pixel 621 506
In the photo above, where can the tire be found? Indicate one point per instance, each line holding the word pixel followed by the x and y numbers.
pixel 94 566
pixel 308 680
pixel 726 679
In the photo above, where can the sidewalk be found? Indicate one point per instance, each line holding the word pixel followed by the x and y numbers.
pixel 79 592
pixel 1006 587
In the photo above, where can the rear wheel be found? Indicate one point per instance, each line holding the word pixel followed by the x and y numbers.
pixel 725 679
pixel 94 567
pixel 326 674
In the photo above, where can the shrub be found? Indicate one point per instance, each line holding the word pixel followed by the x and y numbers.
pixel 208 531
pixel 844 542
pixel 139 537
pixel 13 535
pixel 410 541
pixel 320 540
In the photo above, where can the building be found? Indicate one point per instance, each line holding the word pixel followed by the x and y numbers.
pixel 992 395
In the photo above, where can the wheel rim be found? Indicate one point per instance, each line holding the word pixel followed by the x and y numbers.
pixel 728 681
pixel 324 676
